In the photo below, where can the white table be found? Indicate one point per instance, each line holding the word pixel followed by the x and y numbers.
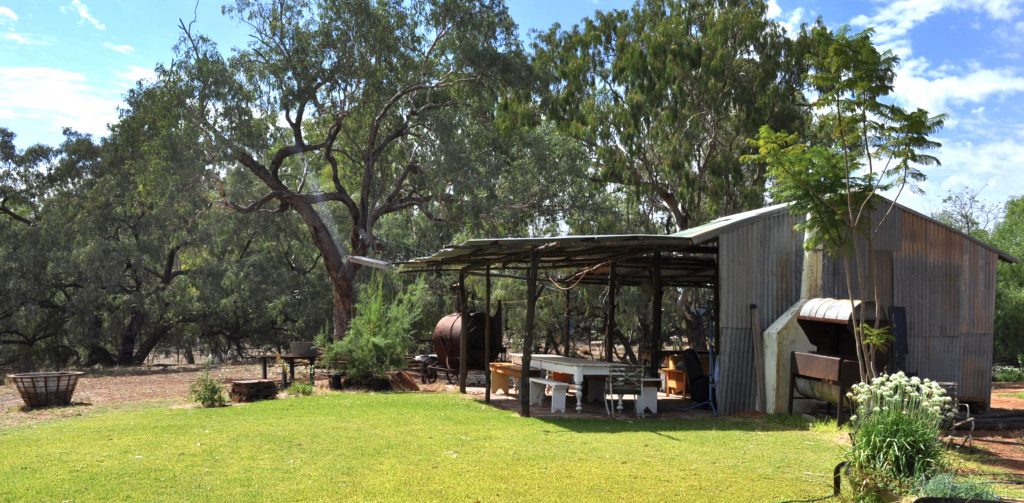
pixel 579 369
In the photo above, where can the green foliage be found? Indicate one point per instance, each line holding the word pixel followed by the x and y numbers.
pixel 663 94
pixel 948 485
pixel 1006 373
pixel 381 332
pixel 879 337
pixel 1008 235
pixel 896 432
pixel 300 389
pixel 376 97
pixel 207 391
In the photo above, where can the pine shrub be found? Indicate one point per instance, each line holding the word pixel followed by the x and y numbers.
pixel 207 391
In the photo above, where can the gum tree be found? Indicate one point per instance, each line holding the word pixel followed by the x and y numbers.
pixel 861 145
pixel 664 95
pixel 339 108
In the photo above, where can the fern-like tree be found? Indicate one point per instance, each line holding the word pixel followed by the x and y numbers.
pixel 861 145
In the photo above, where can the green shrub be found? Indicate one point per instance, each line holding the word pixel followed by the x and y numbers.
pixel 301 389
pixel 380 335
pixel 207 391
pixel 1007 374
pixel 896 432
pixel 946 485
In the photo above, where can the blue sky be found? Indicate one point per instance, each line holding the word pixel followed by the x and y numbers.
pixel 69 62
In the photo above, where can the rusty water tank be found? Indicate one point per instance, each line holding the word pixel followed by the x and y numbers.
pixel 448 333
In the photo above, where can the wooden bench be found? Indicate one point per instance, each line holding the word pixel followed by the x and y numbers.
pixel 502 372
pixel 558 389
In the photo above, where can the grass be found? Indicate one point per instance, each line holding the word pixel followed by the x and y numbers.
pixel 424 447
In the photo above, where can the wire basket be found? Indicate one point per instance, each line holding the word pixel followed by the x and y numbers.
pixel 44 389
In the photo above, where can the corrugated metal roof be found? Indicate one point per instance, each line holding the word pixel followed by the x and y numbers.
pixel 828 310
pixel 557 250
pixel 712 229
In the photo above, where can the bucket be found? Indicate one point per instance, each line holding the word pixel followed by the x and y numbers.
pixel 44 389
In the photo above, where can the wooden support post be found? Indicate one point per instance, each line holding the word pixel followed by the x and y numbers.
pixel 757 341
pixel 717 318
pixel 464 336
pixel 531 308
pixel 655 347
pixel 567 333
pixel 487 334
pixel 609 329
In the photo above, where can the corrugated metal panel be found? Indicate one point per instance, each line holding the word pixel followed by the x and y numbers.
pixel 945 281
pixel 887 237
pixel 719 226
pixel 760 263
pixel 976 322
pixel 976 375
pixel 829 310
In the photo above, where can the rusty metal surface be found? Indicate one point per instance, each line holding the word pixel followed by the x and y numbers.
pixel 448 333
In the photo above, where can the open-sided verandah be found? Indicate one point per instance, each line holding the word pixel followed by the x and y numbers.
pixel 688 259
pixel 759 275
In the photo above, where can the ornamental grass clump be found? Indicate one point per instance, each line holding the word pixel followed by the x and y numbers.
pixel 896 432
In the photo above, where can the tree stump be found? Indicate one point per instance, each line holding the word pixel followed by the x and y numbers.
pixel 252 390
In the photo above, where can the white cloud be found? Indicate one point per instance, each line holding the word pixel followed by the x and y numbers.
pixel 136 73
pixel 938 91
pixel 7 15
pixel 26 39
pixel 790 22
pixel 994 166
pixel 122 48
pixel 83 12
pixel 893 21
pixel 63 98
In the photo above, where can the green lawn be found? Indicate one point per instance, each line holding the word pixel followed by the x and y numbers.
pixel 422 447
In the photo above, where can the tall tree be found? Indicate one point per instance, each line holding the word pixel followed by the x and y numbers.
pixel 665 94
pixel 338 103
pixel 860 147
pixel 967 212
pixel 1008 235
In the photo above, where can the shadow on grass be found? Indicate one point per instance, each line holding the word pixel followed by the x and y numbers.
pixel 53 408
pixel 668 421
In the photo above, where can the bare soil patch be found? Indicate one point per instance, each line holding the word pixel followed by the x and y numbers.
pixel 120 388
pixel 1003 449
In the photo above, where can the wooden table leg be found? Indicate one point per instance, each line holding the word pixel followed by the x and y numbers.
pixel 264 361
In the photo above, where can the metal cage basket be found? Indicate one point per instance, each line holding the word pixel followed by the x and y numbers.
pixel 44 389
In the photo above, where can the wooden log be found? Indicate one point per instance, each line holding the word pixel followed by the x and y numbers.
pixel 402 381
pixel 252 390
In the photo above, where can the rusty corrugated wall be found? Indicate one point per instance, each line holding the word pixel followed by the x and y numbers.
pixel 947 285
pixel 760 263
pixel 945 281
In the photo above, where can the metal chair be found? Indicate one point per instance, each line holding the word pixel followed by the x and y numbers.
pixel 624 380
pixel 962 419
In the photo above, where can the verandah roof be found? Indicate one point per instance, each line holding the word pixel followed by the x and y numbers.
pixel 681 260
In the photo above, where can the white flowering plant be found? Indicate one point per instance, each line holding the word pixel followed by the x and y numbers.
pixel 896 432
pixel 900 393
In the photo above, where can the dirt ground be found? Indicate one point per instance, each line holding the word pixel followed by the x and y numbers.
pixel 138 387
pixel 1003 449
